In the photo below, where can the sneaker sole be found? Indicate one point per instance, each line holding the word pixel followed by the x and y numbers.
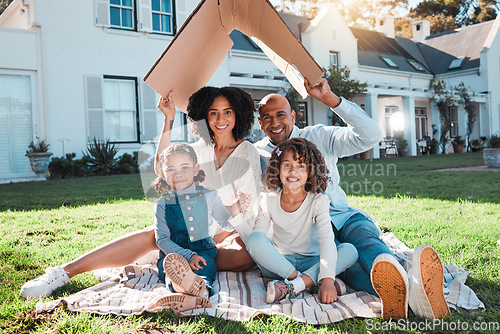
pixel 180 302
pixel 391 286
pixel 179 272
pixel 431 278
pixel 270 292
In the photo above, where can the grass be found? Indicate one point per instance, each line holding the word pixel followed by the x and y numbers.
pixel 48 223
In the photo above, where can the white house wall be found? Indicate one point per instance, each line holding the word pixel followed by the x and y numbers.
pixel 493 79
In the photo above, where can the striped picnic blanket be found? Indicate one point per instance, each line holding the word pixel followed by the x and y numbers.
pixel 134 289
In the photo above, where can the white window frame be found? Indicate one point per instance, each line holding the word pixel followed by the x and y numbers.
pixel 336 56
pixel 35 115
pixel 136 111
pixel 421 122
pixel 161 13
pixel 122 7
pixel 454 131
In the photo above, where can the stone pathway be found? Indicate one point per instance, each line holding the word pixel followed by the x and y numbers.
pixel 469 169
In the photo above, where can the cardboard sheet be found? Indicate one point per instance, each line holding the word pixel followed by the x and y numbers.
pixel 203 41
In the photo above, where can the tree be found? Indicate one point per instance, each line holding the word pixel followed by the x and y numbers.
pixel 470 109
pixel 359 13
pixel 340 83
pixel 4 4
pixel 444 100
pixel 445 15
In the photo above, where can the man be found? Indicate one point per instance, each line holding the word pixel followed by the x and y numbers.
pixel 377 271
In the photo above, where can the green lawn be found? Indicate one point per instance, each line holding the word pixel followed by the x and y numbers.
pixel 47 223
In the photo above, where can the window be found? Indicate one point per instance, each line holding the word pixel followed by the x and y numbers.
pixel 301 114
pixel 120 109
pixel 389 62
pixel 416 65
pixel 453 122
pixel 393 121
pixel 420 122
pixel 334 59
pixel 122 14
pixel 455 63
pixel 16 123
pixel 162 16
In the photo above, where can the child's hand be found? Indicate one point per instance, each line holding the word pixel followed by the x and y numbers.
pixel 167 106
pixel 242 202
pixel 327 292
pixel 194 262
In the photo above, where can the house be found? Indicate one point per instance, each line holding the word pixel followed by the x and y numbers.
pixel 67 78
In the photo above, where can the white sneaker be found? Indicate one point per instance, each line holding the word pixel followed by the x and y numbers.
pixel 43 286
pixel 390 281
pixel 426 284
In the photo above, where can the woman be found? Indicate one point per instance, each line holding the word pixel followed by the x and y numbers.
pixel 222 117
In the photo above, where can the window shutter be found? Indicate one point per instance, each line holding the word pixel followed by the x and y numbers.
pixel 149 128
pixel 101 13
pixel 95 109
pixel 180 12
pixel 145 16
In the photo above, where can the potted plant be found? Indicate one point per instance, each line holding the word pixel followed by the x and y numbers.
pixel 458 144
pixel 476 145
pixel 491 154
pixel 39 156
pixel 433 146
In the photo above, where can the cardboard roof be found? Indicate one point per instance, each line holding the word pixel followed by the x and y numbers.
pixel 203 41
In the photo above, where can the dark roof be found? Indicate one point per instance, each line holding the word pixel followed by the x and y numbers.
pixel 466 43
pixel 297 24
pixel 373 46
pixel 243 42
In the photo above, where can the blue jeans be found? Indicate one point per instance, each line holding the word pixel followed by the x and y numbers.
pixel 275 265
pixel 361 232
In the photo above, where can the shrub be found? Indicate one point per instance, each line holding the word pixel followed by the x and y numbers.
pixel 128 164
pixel 101 157
pixel 494 142
pixel 67 167
pixel 458 140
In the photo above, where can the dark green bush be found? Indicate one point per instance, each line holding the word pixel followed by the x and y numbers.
pixel 68 167
pixel 128 164
pixel 101 157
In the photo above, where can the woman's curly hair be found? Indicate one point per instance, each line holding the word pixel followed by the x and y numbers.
pixel 159 184
pixel 305 152
pixel 242 103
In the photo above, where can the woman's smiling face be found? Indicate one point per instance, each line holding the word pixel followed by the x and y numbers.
pixel 221 117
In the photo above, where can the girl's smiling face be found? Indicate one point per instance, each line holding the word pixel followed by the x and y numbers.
pixel 179 171
pixel 221 116
pixel 293 174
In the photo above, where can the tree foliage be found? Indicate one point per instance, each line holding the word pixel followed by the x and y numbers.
pixel 445 15
pixel 444 100
pixel 4 4
pixel 470 108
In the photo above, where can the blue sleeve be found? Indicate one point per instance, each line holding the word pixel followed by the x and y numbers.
pixel 162 233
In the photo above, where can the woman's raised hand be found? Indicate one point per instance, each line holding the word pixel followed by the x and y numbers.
pixel 167 106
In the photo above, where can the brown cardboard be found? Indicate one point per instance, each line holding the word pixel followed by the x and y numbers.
pixel 203 41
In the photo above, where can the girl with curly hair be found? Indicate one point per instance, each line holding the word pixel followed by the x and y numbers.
pixel 302 252
pixel 183 215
